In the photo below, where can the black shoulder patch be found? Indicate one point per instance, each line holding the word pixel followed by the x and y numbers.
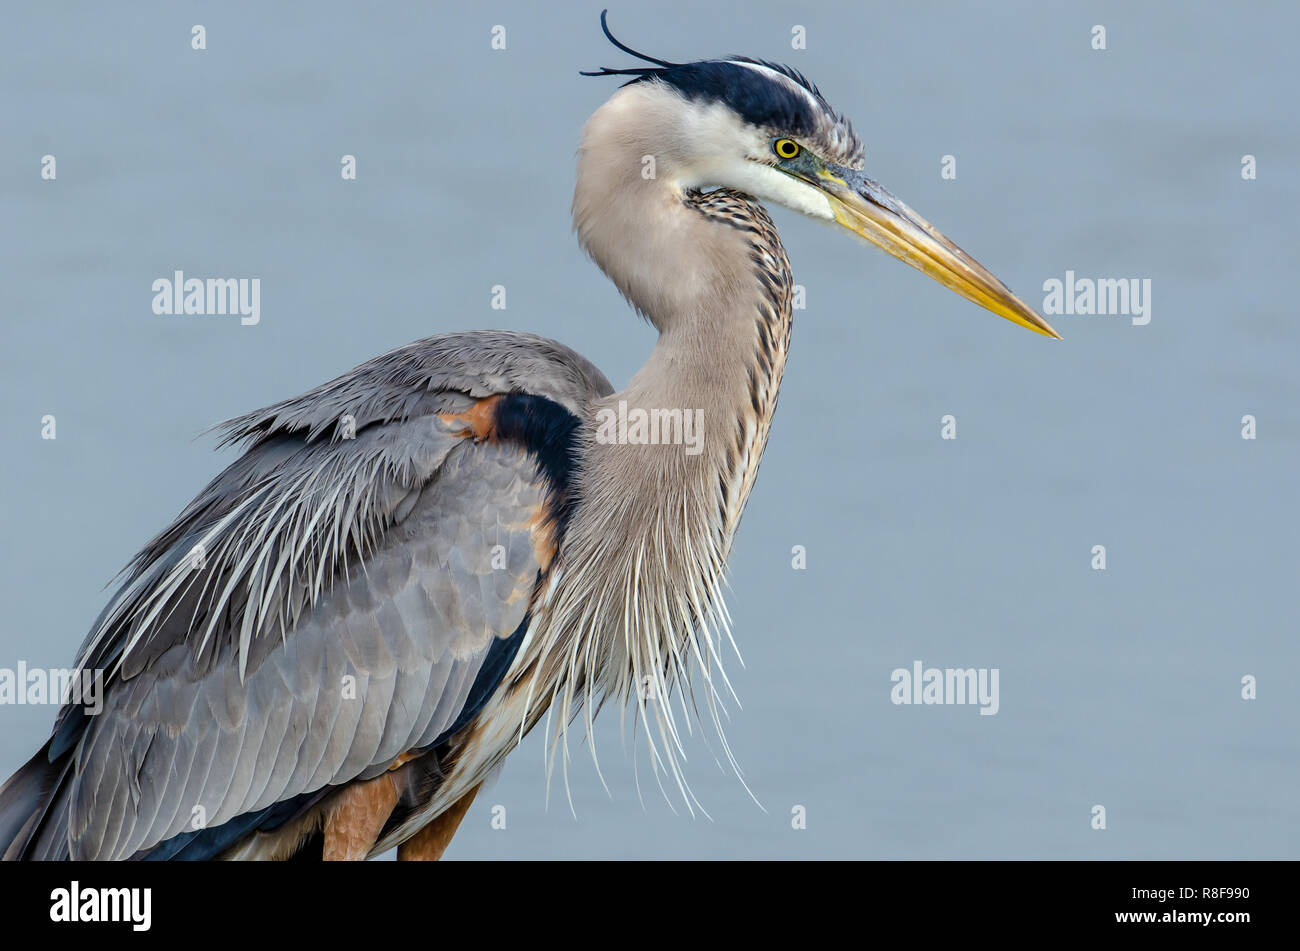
pixel 548 432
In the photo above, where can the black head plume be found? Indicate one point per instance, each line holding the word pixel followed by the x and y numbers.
pixel 639 71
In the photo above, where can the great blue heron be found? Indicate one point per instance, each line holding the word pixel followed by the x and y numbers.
pixel 344 634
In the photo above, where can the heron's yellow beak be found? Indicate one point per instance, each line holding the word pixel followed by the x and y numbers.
pixel 871 212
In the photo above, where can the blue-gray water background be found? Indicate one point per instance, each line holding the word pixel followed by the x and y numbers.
pixel 1118 687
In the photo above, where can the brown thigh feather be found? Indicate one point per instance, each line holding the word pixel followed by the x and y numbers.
pixel 356 817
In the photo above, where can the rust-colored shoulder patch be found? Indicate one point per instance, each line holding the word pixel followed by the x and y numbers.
pixel 479 421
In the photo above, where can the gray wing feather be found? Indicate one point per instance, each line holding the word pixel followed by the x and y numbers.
pixel 157 756
pixel 341 606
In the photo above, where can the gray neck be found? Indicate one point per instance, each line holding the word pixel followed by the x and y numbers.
pixel 637 579
pixel 709 271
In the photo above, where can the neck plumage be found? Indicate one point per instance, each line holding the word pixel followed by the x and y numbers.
pixel 667 463
pixel 709 271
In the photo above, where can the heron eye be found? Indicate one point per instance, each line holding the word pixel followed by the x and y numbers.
pixel 786 148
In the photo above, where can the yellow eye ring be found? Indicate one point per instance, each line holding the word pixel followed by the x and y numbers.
pixel 786 148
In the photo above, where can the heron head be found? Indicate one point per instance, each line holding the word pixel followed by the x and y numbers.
pixel 765 130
